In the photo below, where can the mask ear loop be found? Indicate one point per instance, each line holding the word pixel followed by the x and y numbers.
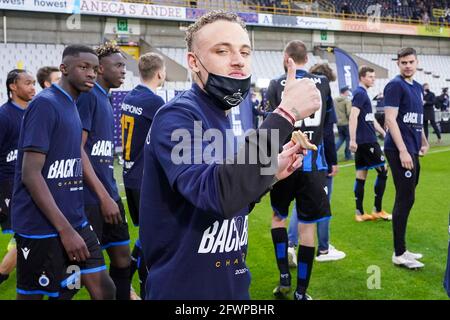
pixel 198 73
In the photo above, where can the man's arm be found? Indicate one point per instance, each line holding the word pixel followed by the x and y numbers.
pixel 109 207
pixel 225 189
pixel 352 125
pixel 391 114
pixel 329 144
pixel 348 107
pixel 32 165
pixel 272 99
pixel 425 145
pixel 330 150
pixel 378 128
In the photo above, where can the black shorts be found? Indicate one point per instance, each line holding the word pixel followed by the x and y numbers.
pixel 43 267
pixel 6 190
pixel 133 198
pixel 110 235
pixel 309 190
pixel 369 156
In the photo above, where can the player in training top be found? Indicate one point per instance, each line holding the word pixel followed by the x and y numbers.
pixel 363 142
pixel 20 86
pixel 48 216
pixel 405 141
pixel 103 205
pixel 138 109
pixel 308 185
pixel 194 206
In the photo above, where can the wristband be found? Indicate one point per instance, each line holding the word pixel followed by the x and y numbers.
pixel 288 114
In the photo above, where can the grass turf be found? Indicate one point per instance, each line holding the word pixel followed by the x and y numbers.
pixel 368 245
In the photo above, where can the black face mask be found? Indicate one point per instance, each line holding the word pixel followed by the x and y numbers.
pixel 229 92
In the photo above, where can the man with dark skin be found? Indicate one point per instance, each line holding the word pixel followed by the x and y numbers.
pixel 48 217
pixel 103 205
pixel 20 85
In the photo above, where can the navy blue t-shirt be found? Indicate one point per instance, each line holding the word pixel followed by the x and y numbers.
pixel 241 120
pixel 97 118
pixel 312 126
pixel 10 120
pixel 408 98
pixel 138 109
pixel 51 125
pixel 365 131
pixel 192 250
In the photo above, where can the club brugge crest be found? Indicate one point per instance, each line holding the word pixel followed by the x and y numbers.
pixel 44 280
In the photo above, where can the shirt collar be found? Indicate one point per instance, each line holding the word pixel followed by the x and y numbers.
pixel 64 92
pixel 301 71
pixel 101 89
pixel 145 87
pixel 15 105
pixel 408 82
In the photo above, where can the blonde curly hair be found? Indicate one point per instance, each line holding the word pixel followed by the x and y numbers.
pixel 208 18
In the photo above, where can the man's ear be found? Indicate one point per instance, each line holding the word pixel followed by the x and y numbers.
pixel 12 87
pixel 100 69
pixel 193 62
pixel 47 84
pixel 63 69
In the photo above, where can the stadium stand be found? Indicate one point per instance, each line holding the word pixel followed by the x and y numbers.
pixel 407 9
pixel 266 65
pixel 404 11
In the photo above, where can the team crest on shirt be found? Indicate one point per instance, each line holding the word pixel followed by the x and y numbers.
pixel 44 280
pixel 372 150
pixel 7 201
pixel 382 158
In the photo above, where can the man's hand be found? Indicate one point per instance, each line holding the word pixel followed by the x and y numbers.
pixel 289 160
pixel 110 211
pixel 353 146
pixel 406 160
pixel 425 146
pixel 74 245
pixel 334 171
pixel 300 96
pixel 424 149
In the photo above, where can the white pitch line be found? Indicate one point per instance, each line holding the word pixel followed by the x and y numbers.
pixel 431 152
